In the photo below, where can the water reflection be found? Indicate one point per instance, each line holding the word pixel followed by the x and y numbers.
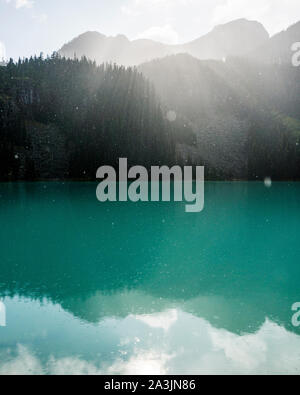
pixel 171 342
pixel 146 288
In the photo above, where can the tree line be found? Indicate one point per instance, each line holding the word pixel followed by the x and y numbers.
pixel 103 113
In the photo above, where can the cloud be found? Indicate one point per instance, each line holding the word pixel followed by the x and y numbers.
pixel 24 3
pixel 187 345
pixel 160 320
pixel 21 3
pixel 137 7
pixel 41 18
pixel 234 9
pixel 26 363
pixel 165 34
pixel 2 51
pixel 276 15
pixel 129 11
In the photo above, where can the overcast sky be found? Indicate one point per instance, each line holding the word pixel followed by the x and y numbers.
pixel 32 26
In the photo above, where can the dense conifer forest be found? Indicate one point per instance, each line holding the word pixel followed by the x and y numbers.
pixel 80 115
pixel 63 118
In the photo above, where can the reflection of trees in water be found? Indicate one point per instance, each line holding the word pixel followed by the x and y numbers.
pixel 228 264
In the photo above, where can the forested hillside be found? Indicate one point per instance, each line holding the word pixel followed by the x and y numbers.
pixel 246 115
pixel 64 118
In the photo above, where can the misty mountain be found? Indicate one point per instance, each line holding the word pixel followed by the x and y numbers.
pixel 236 38
pixel 246 116
pixel 237 112
pixel 279 48
pixel 119 49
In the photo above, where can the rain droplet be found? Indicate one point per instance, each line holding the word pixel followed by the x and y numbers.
pixel 268 182
pixel 171 116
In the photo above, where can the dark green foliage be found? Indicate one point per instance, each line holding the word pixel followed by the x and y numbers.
pixel 64 118
pixel 103 113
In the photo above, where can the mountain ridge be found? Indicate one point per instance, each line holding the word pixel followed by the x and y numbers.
pixel 235 38
pixel 278 48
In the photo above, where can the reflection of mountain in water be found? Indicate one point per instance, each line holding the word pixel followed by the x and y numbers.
pixel 235 264
pixel 170 342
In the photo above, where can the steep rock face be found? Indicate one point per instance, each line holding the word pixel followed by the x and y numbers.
pixel 119 49
pixel 278 49
pixel 236 38
pixel 96 46
pixel 232 39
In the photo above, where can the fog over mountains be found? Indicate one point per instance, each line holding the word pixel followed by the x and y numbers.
pixel 245 115
pixel 235 88
pixel 238 38
pixel 233 96
pixel 278 48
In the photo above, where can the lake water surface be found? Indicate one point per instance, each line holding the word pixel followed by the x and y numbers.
pixel 145 288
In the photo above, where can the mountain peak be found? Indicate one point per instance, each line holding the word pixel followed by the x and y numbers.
pixel 89 35
pixel 278 48
pixel 236 38
pixel 239 22
pixel 121 37
pixel 241 25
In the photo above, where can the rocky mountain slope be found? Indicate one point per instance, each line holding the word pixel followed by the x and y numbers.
pixel 232 39
pixel 241 112
pixel 279 48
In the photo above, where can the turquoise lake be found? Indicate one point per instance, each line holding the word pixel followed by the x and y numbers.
pixel 145 288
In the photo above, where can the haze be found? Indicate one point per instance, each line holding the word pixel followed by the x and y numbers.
pixel 27 26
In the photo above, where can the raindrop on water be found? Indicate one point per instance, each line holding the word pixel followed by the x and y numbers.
pixel 268 182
